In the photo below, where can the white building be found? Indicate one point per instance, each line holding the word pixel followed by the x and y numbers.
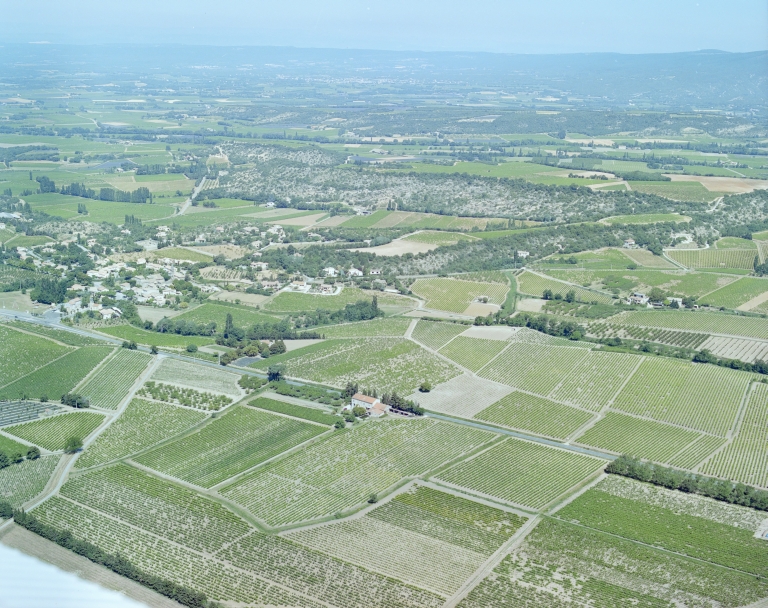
pixel 354 272
pixel 330 271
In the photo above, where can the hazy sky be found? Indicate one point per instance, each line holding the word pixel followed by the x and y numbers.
pixel 509 26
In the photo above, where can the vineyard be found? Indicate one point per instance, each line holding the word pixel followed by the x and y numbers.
pixel 51 433
pixel 454 295
pixel 694 454
pixel 181 515
pixel 643 257
pixel 472 353
pixel 746 458
pixel 384 364
pixel 112 381
pixel 535 285
pixel 434 334
pixel 684 339
pixel 60 335
pixel 58 377
pixel 561 565
pixel 214 312
pixel 700 397
pixel 299 302
pixel 384 327
pixel 140 426
pixel 737 348
pixel 714 258
pixel 535 415
pixel 704 322
pixel 200 377
pixel 21 482
pixel 521 472
pixel 624 434
pixel 235 442
pixel 21 354
pixel 296 411
pixel 737 293
pixel 671 529
pixel 13 412
pixel 188 397
pixel 345 469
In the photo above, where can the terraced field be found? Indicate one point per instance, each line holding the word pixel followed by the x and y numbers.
pixel 700 397
pixel 535 415
pixel 521 472
pixel 535 285
pixel 51 433
pixel 746 458
pixel 452 295
pixel 344 470
pixel 111 383
pixel 714 258
pixel 239 440
pixel 384 364
pixel 140 426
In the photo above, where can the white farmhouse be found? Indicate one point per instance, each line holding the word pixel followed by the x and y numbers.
pixel 330 271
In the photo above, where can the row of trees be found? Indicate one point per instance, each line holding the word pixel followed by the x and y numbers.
pixel 674 479
pixel 140 195
pixel 15 457
pixel 706 356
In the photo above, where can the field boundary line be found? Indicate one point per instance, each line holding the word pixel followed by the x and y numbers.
pixel 411 327
pixel 501 352
pixel 598 416
pixel 22 441
pixel 676 454
pixel 493 561
pixel 631 375
pixel 733 432
pixel 582 490
pixel 96 369
pixel 69 352
pixel 721 287
pixel 31 333
pixel 268 394
pixel 695 469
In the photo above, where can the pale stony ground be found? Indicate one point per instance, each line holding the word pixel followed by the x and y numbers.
pixel 464 396
pixel 723 184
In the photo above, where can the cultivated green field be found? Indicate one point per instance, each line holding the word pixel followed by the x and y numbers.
pixel 749 327
pixel 389 326
pixel 239 440
pixel 297 302
pixel 112 381
pixel 714 258
pixel 521 472
pixel 21 353
pixel 737 293
pixel 51 433
pixel 216 312
pixel 535 285
pixel 434 334
pixel 454 295
pixel 646 218
pixel 23 481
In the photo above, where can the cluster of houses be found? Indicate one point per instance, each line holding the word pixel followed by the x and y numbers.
pixel 330 271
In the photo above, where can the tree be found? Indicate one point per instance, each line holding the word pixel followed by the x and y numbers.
pixel 547 295
pixel 33 453
pixel 340 424
pixel 73 444
pixel 75 400
pixel 129 345
pixel 674 304
pixel 153 350
pixel 425 387
pixel 4 462
pixel 191 348
pixel 275 372
pixel 229 326
pixel 570 296
pixel 656 295
pixel 359 411
pixel 373 499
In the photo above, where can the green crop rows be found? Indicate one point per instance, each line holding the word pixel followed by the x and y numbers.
pixel 297 411
pixel 472 353
pixel 714 258
pixel 239 440
pixel 58 377
pixel 537 369
pixel 694 454
pixel 454 295
pixel 522 472
pixel 298 302
pixel 21 354
pixel 624 434
pixel 60 335
pixel 23 481
pixel 658 526
pixel 385 364
pixel 685 339
pixel 215 312
pixel 179 514
pixel 200 377
pixel 111 383
pixel 700 397
pixel 140 426
pixel 384 327
pixel 710 323
pixel 737 293
pixel 51 433
pixel 535 414
pixel 344 470
pixel 153 338
pixel 560 565
pixel 534 285
pixel 434 334
pixel 746 458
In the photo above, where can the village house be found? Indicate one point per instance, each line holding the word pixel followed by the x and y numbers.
pixel 330 271
pixel 354 272
pixel 638 298
pixel 373 406
pixel 630 244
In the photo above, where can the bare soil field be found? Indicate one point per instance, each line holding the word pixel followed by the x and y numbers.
pixel 36 546
pixel 754 302
pixel 150 313
pixel 478 309
pixel 497 332
pixel 250 299
pixel 304 220
pixel 463 396
pixel 737 185
pixel 399 247
pixel 530 304
pixel 336 220
pixel 291 345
